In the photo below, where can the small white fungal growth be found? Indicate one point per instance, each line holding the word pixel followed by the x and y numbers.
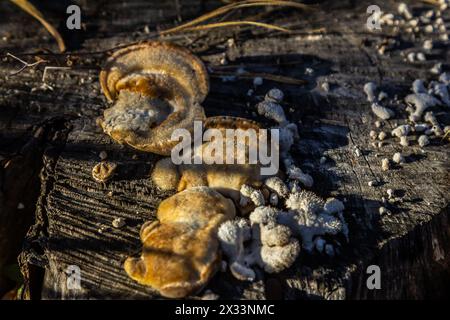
pixel 382 95
pixel 325 86
pixel 305 201
pixel 246 190
pixel 255 195
pixel 309 71
pixel 423 140
pixel 382 135
pixel 273 248
pixel 257 198
pixel 382 112
pixel 411 56
pixel 308 219
pixel 390 193
pixel 319 244
pixel 398 158
pixel 232 234
pixel 385 165
pixel 373 134
pixel 404 141
pixel 296 173
pixel 445 78
pixel 288 134
pixel 370 88
pixel 118 223
pixel 429 28
pixel 273 111
pixel 418 86
pixel 421 56
pixel 294 186
pixel 372 183
pixel 431 118
pixel 404 10
pixel 257 81
pixel 274 95
pixel 421 101
pixel 437 68
pixel 277 186
pixel 420 127
pixel 402 130
pixel 333 205
pixel 440 90
pixel 428 44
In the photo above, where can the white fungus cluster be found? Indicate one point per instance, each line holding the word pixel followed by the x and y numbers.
pixel 292 218
pixel 423 22
pixel 270 244
pixel 249 193
pixel 423 98
pixel 370 88
pixel 309 216
pixel 270 107
pixel 271 241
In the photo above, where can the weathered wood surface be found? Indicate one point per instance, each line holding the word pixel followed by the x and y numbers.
pixel 411 246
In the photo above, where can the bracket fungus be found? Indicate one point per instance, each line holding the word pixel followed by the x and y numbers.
pixel 181 251
pixel 155 88
pixel 225 178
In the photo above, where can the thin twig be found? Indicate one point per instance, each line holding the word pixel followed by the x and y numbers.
pixel 44 75
pixel 25 64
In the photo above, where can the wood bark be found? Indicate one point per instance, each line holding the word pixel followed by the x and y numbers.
pixel 411 245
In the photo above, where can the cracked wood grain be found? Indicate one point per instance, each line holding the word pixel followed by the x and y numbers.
pixel 411 245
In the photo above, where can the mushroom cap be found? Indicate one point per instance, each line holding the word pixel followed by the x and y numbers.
pixel 152 60
pixel 156 88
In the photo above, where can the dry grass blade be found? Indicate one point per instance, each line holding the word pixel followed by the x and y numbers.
pixel 33 11
pixel 236 23
pixel 233 6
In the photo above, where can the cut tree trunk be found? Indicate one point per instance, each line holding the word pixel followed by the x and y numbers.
pixel 411 245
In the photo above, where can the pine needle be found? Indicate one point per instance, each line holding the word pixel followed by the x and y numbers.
pixel 233 6
pixel 236 23
pixel 35 13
